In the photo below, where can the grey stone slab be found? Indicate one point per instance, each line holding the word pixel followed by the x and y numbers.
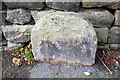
pixel 18 16
pixel 64 36
pixel 17 33
pixel 114 35
pixel 45 70
pixel 99 17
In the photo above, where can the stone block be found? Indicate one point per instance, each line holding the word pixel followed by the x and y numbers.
pixel 102 34
pixel 115 46
pixel 63 5
pixel 30 5
pixel 14 45
pixel 110 5
pixel 100 18
pixel 18 16
pixel 17 33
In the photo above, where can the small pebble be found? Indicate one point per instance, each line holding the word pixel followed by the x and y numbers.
pixel 87 73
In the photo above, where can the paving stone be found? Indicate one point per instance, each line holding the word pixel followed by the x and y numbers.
pixel 64 71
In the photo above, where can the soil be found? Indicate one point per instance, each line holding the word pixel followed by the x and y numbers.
pixel 110 57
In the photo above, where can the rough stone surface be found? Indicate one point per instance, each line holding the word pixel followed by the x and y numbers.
pixel 102 34
pixel 30 5
pixel 98 17
pixel 111 5
pixel 114 35
pixel 64 36
pixel 39 14
pixel 44 70
pixel 18 16
pixel 17 33
pixel 68 6
pixel 14 45
pixel 114 46
pixel 117 18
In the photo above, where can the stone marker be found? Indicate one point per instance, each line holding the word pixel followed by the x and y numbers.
pixel 64 37
pixel 17 33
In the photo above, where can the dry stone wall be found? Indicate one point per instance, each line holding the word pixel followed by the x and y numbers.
pixel 18 18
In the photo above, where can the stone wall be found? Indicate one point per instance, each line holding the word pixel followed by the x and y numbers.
pixel 18 18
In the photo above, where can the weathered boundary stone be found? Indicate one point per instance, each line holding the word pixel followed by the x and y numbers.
pixel 64 37
pixel 17 33
pixel 114 35
pixel 100 18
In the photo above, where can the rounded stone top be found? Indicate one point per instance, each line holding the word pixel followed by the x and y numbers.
pixel 62 35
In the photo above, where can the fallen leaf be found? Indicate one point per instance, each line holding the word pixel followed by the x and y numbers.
pixel 16 61
pixel 21 49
